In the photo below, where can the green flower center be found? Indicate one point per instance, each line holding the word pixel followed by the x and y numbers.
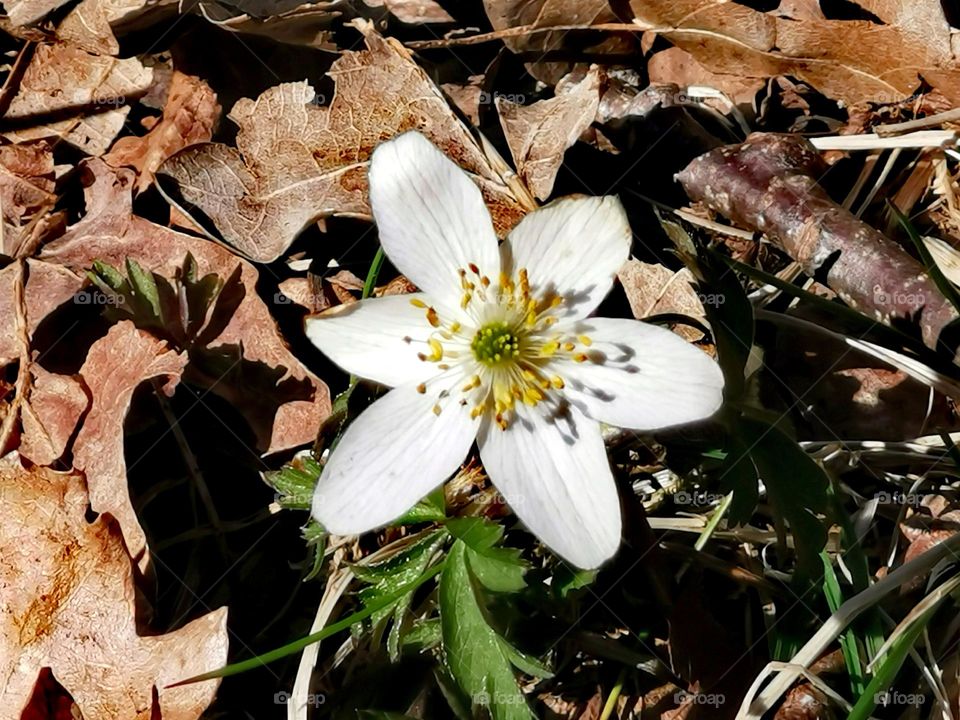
pixel 495 343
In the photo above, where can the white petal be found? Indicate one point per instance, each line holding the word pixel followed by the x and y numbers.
pixel 391 456
pixel 640 376
pixel 378 339
pixel 554 474
pixel 572 247
pixel 431 217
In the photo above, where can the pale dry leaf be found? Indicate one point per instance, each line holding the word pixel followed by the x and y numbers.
pixel 309 23
pixel 92 90
pixel 189 117
pixel 67 602
pixel 50 415
pixel 296 161
pixel 27 185
pixel 674 65
pixel 657 290
pixel 27 12
pixel 115 367
pixel 853 61
pixel 112 233
pixel 539 134
pixel 507 14
pixel 92 25
pixel 415 12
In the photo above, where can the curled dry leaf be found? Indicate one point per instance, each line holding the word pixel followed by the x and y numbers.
pixel 189 117
pixel 50 415
pixel 657 290
pixel 295 23
pixel 67 602
pixel 115 367
pixel 112 233
pixel 296 161
pixel 91 90
pixel 882 62
pixel 92 24
pixel 539 134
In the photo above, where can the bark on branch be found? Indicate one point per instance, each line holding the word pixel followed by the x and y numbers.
pixel 769 184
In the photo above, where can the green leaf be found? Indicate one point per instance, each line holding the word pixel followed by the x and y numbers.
pixel 316 538
pixel 525 663
pixel 382 715
pixel 295 482
pixel 431 509
pixel 473 650
pixel 144 288
pixel 497 568
pixel 568 579
pixel 386 577
pixel 796 486
pixel 423 635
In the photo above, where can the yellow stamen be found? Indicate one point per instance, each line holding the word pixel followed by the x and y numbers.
pixel 422 388
pixel 432 317
pixel 585 340
pixel 418 303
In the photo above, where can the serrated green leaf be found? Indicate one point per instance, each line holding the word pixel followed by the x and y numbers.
pixel 497 568
pixel 473 650
pixel 568 579
pixel 295 482
pixel 315 536
pixel 108 273
pixel 423 635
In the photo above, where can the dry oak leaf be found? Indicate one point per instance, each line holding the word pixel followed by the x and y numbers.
pixel 296 161
pixel 115 367
pixel 92 90
pixel 657 290
pixel 67 602
pixel 112 233
pixel 189 117
pixel 539 134
pixel 853 61
pixel 50 415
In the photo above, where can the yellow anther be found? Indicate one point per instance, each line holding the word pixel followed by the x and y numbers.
pixel 443 366
pixel 455 327
pixel 549 348
pixel 558 300
pixel 557 382
pixel 418 303
pixel 581 357
pixel 549 320
pixel 569 346
pixel 528 374
pixel 432 317
pixel 532 395
pixel 422 388
pixel 465 300
pixel 531 318
pixel 584 339
pixel 436 409
pixel 474 269
pixel 437 349
pixel 485 281
pixel 474 383
pixel 477 411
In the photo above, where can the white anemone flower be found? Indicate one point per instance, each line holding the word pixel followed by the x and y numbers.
pixel 498 348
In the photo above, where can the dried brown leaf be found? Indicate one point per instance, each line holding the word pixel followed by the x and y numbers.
pixel 539 134
pixel 91 90
pixel 675 65
pixel 851 60
pixel 50 415
pixel 189 117
pixel 27 187
pixel 418 11
pixel 296 161
pixel 657 290
pixel 67 594
pixel 115 367
pixel 112 233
